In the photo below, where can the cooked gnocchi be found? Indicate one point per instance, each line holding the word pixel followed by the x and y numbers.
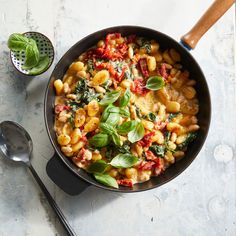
pixel 125 110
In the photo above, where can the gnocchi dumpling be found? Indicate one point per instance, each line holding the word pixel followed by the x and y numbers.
pixel 100 77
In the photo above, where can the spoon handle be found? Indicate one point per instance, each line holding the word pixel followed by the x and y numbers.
pixel 52 203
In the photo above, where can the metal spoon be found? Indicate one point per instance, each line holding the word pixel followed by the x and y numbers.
pixel 16 145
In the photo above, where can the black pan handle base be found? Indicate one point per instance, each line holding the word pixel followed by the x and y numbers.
pixel 65 179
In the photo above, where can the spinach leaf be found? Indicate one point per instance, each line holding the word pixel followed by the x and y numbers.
pixel 151 116
pixel 41 66
pixel 126 127
pixel 137 133
pixel 124 161
pixel 81 86
pixel 172 116
pixel 106 180
pixel 90 66
pixel 158 150
pixel 84 93
pixel 155 83
pixel 17 42
pixel 97 167
pixel 190 137
pixel 124 100
pixel 99 140
pixel 109 98
pixel 167 135
pixel 113 150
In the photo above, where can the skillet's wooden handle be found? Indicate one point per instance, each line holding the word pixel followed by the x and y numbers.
pixel 214 12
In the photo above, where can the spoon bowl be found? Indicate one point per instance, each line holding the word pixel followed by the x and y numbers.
pixel 15 142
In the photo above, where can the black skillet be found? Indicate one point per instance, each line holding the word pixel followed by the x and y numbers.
pixel 73 180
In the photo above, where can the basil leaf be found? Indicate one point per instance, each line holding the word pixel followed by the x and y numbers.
pixel 124 112
pixel 99 140
pixel 97 167
pixel 124 100
pixel 155 83
pixel 31 55
pixel 137 133
pixel 126 127
pixel 113 119
pixel 124 161
pixel 116 139
pixel 107 128
pixel 110 98
pixel 158 150
pixel 109 109
pixel 106 180
pixel 17 42
pixel 41 66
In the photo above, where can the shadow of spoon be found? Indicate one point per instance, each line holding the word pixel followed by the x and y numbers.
pixel 16 145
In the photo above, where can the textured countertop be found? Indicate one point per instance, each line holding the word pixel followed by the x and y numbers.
pixel 201 201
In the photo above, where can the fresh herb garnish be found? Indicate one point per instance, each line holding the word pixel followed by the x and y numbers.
pixel 127 126
pixel 124 100
pixel 17 42
pixel 31 55
pixel 41 66
pixel 109 98
pixel 124 112
pixel 99 140
pixel 155 83
pixel 106 180
pixel 137 133
pixel 124 161
pixel 97 167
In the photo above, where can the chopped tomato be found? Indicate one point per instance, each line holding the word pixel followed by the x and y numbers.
pixel 146 141
pixel 112 36
pixel 125 182
pixel 150 156
pixel 163 71
pixel 159 166
pixel 146 165
pixel 122 48
pixel 139 87
pixel 143 67
pixel 60 107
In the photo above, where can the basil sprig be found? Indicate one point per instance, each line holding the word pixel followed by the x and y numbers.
pixel 106 180
pixel 110 98
pixel 155 83
pixel 137 133
pixel 124 100
pixel 124 161
pixel 34 63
